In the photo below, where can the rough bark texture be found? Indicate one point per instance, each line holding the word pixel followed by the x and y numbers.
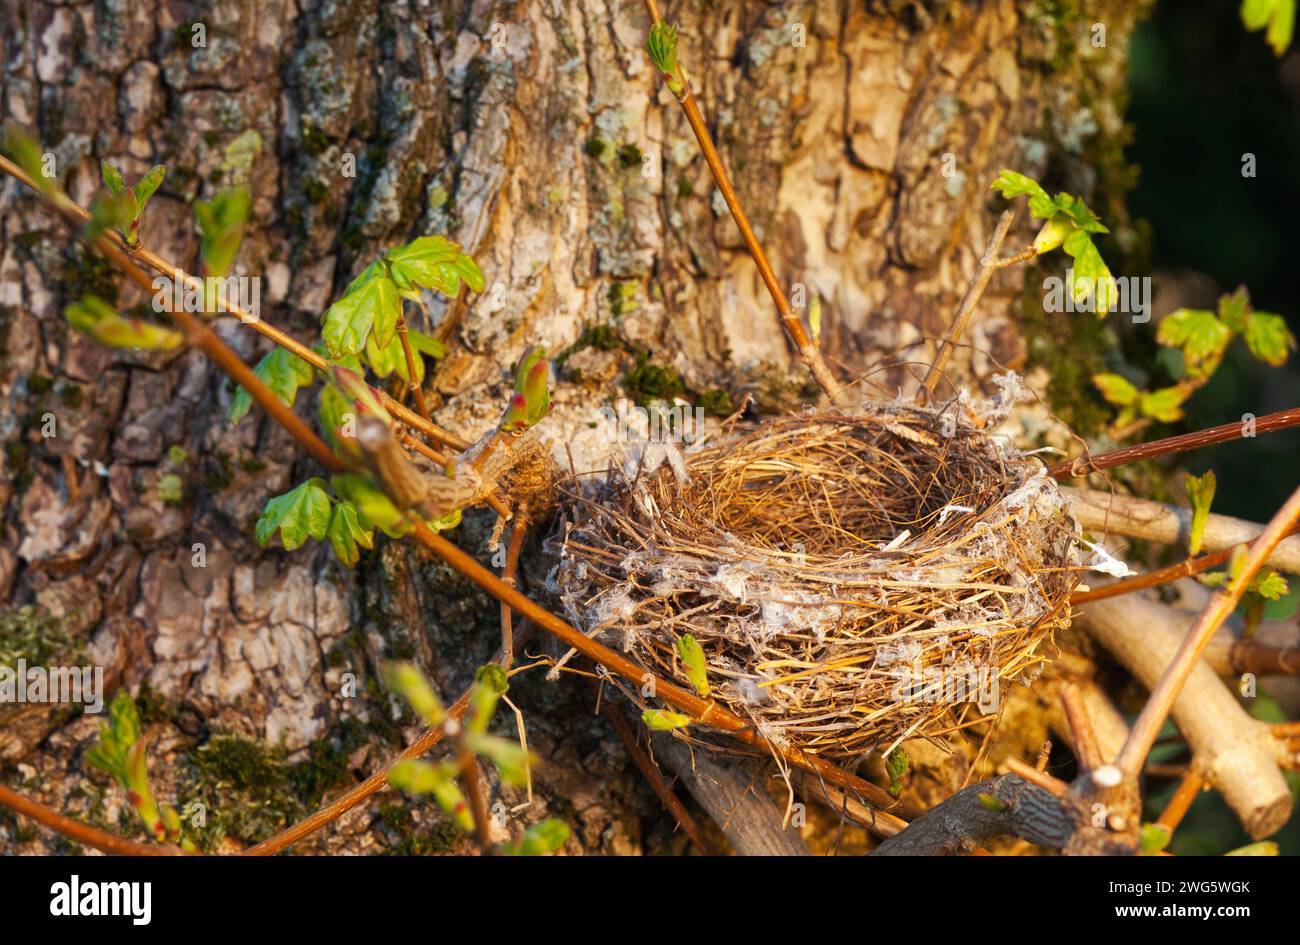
pixel 862 137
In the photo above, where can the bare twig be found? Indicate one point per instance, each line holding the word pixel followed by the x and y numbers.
pixel 1188 788
pixel 82 833
pixel 1083 465
pixel 808 351
pixel 1222 602
pixel 412 385
pixel 987 266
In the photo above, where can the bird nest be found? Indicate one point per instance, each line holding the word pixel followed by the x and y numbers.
pixel 853 579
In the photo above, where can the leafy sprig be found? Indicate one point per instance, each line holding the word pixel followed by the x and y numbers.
pixel 132 199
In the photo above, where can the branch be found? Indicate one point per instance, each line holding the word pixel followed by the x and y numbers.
pixel 74 212
pixel 80 832
pixel 1155 521
pixel 680 86
pixel 1003 806
pixel 987 266
pixel 1083 465
pixel 1235 752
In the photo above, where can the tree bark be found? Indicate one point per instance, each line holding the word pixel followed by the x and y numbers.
pixel 861 138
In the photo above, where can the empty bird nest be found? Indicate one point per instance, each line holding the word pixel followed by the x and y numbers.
pixel 853 578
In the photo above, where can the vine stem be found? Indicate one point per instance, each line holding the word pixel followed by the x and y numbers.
pixel 412 386
pixel 198 333
pixel 1083 465
pixel 809 353
pixel 1220 605
pixel 71 210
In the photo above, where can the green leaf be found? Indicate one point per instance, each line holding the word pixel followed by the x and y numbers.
pixel 283 372
pixel 25 151
pixel 364 397
pixel 1117 389
pixel 147 186
pixel 491 684
pixel 97 319
pixel 661 44
pixel 532 378
pixel 117 736
pixel 508 757
pixel 992 802
pixel 433 262
pixel 896 765
pixel 298 514
pixel 1165 404
pixel 1234 308
pixel 661 720
pixel 1268 338
pixel 1153 838
pixel 1011 185
pixel 112 178
pixel 335 411
pixel 1262 848
pixel 1077 212
pixel 408 682
pixel 516 415
pixel 345 534
pixel 1200 493
pixel 374 509
pixel 221 223
pixel 1199 334
pixel 370 302
pixel 1091 277
pixel 424 777
pixel 1269 585
pixel 540 839
pixel 1277 17
pixel 1053 233
pixel 692 656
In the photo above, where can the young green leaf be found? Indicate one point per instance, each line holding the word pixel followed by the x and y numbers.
pixel 1268 338
pixel 540 839
pixel 1012 185
pixel 221 223
pixel 992 802
pixel 371 302
pixel 509 758
pixel 515 419
pixel 1200 493
pixel 96 318
pixel 896 765
pixel 491 684
pixel 1153 838
pixel 692 656
pixel 364 397
pixel 1276 17
pixel 25 151
pixel 300 513
pixel 424 777
pixel 1091 276
pixel 1165 404
pixel 531 380
pixel 1200 335
pixel 433 262
pixel 345 534
pixel 661 720
pixel 147 186
pixel 1269 585
pixel 1117 389
pixel 661 44
pixel 374 509
pixel 408 682
pixel 112 179
pixel 283 372
pixel 120 751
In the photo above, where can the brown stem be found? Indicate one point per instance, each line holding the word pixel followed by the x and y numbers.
pixel 672 803
pixel 82 833
pixel 808 351
pixel 198 333
pixel 412 386
pixel 476 788
pixel 1188 788
pixel 508 576
pixel 72 210
pixel 1082 734
pixel 1220 605
pixel 1083 465
pixel 987 266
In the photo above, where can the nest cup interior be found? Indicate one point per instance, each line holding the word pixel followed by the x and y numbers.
pixel 853 580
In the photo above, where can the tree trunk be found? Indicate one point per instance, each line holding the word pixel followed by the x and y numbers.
pixel 861 136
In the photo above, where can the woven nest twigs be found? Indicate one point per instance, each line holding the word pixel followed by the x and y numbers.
pixel 853 579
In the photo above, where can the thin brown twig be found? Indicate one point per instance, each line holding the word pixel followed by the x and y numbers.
pixel 476 788
pixel 74 210
pixel 1042 779
pixel 672 803
pixel 412 385
pixel 82 833
pixel 1082 735
pixel 1220 605
pixel 1084 465
pixel 508 574
pixel 1179 804
pixel 808 350
pixel 988 265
